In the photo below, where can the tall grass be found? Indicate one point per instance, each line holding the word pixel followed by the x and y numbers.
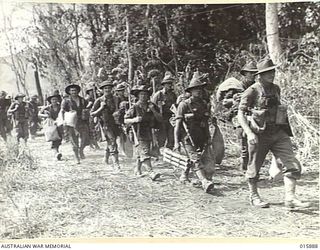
pixel 299 82
pixel 16 163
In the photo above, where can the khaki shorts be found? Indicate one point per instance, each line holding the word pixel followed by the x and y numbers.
pixel 143 150
pixel 22 129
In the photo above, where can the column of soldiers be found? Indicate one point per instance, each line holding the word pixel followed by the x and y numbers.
pixel 21 115
pixel 251 105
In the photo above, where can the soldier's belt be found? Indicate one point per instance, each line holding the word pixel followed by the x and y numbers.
pixel 176 159
pixel 272 126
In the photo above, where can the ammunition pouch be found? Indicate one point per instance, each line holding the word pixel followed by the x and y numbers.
pixel 282 115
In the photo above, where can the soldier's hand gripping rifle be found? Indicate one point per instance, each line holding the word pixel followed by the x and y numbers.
pixel 173 109
pixel 94 75
pixel 135 138
pixel 174 158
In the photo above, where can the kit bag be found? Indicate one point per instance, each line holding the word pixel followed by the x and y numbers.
pixel 50 130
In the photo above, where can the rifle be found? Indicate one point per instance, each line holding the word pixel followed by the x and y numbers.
pixel 155 143
pixel 135 137
pixel 177 159
pixel 103 137
pixel 173 109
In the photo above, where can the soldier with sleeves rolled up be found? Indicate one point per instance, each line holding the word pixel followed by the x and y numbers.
pixel 104 108
pixel 268 129
pixel 143 115
pixel 20 111
pixel 164 99
pixel 73 107
pixel 228 94
pixel 192 131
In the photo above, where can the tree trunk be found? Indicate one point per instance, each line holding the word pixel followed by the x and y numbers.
pixel 273 32
pixel 148 23
pixel 171 42
pixel 37 80
pixel 77 38
pixel 12 65
pixel 106 17
pixel 128 47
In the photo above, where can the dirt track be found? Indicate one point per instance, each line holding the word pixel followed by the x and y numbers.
pixel 62 199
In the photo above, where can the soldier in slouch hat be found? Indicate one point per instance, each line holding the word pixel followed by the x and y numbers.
pixel 143 116
pixel 5 125
pixel 104 107
pixel 78 134
pixel 20 111
pixel 192 130
pixel 164 99
pixel 52 111
pixel 267 129
pixel 33 119
pixel 229 94
pixel 91 96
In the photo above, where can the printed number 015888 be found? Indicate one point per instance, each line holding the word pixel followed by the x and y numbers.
pixel 308 245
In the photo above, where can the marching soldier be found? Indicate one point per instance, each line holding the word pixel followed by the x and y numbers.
pixel 268 129
pixel 122 102
pixel 33 119
pixel 104 107
pixel 192 118
pixel 164 99
pixel 90 98
pixel 79 129
pixel 229 94
pixel 143 116
pixel 5 125
pixel 20 111
pixel 120 93
pixel 52 111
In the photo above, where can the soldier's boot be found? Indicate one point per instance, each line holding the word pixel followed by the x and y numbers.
pixel 291 201
pixel 254 197
pixel 153 175
pixel 106 157
pixel 76 154
pixel 137 169
pixel 57 154
pixel 82 156
pixel 207 185
pixel 115 163
pixel 184 176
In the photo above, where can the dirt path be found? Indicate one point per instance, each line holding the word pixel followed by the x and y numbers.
pixel 62 199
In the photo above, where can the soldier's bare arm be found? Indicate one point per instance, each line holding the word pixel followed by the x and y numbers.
pixel 177 129
pixel 43 113
pixel 13 108
pixel 156 114
pixel 130 117
pixel 245 105
pixel 97 108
